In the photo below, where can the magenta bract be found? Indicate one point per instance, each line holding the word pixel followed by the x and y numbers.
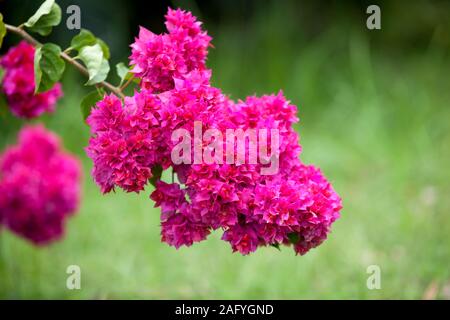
pixel 157 59
pixel 296 206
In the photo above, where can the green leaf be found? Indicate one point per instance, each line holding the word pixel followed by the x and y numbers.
pixel 101 75
pixel 122 71
pixel 293 237
pixel 47 16
pixel 104 47
pixel 125 74
pixel 98 67
pixel 48 66
pixel 89 102
pixel 156 174
pixel 43 10
pixel 2 30
pixel 84 38
pixel 87 38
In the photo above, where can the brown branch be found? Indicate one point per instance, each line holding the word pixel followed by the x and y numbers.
pixel 25 35
pixel 126 84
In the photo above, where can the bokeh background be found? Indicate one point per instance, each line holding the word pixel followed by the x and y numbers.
pixel 375 116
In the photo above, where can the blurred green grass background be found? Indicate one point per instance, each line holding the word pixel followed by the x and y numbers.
pixel 374 117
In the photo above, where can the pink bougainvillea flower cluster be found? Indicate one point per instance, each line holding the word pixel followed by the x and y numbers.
pixel 294 207
pixel 39 186
pixel 18 84
pixel 157 59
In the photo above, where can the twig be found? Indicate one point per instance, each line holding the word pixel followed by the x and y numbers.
pixel 126 84
pixel 25 35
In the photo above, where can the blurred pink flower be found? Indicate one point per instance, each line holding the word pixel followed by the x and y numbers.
pixel 39 186
pixel 18 84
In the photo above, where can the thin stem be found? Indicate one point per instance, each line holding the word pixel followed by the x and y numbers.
pixel 25 35
pixel 126 84
pixel 22 33
pixel 68 50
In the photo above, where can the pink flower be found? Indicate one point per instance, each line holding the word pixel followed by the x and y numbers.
pixel 243 238
pixel 18 84
pixel 123 144
pixel 295 207
pixel 39 186
pixel 178 230
pixel 157 59
pixel 127 141
pixel 169 197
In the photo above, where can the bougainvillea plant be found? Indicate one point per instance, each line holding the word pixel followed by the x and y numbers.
pixel 135 138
